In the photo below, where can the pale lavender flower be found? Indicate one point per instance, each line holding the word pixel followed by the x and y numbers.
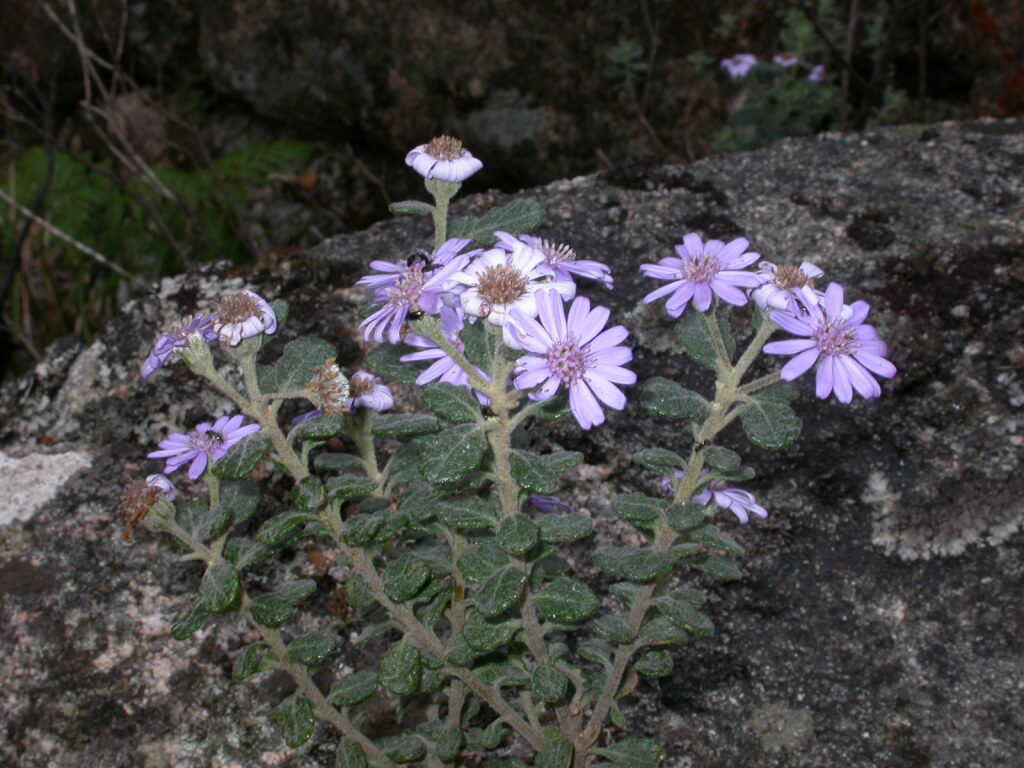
pixel 444 159
pixel 836 334
pixel 498 281
pixel 177 340
pixel 702 270
pixel 739 502
pixel 781 284
pixel 243 316
pixel 206 442
pixel 162 484
pixel 818 74
pixel 786 60
pixel 574 353
pixel 415 283
pixel 443 368
pixel 739 66
pixel 549 505
pixel 366 391
pixel 562 259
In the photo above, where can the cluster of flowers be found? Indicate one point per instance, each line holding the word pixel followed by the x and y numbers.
pixel 739 66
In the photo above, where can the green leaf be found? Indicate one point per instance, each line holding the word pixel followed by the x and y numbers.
pixel 612 627
pixel 188 622
pixel 502 674
pixel 555 409
pixel 721 458
pixel 685 616
pixel 360 529
pixel 449 455
pixel 420 503
pixel 308 494
pixel 660 632
pixel 480 344
pixel 660 460
pixel 404 424
pixel 448 744
pixel 220 587
pixel 405 577
pixel 456 404
pixel 562 461
pixel 485 636
pixel 500 591
pixel 243 457
pixel 347 487
pixel 335 462
pixel 567 602
pixel 532 473
pixel 638 565
pixel 638 508
pixel 411 208
pixel 459 652
pixel 597 651
pixel 655 662
pixel 690 596
pixel 350 755
pixel 693 333
pixel 354 689
pixel 714 538
pixel 403 748
pixel 297 365
pixel 683 517
pixel 400 669
pixel 557 755
pixel 275 609
pixel 384 361
pixel 668 400
pixel 313 648
pixel 266 377
pixel 472 512
pixel 548 684
pixel 720 567
pixel 516 218
pixel 320 427
pixel 768 421
pixel 481 561
pixel 201 521
pixel 294 716
pixel 558 528
pixel 517 535
pixel 248 663
pixel 239 499
pixel 281 528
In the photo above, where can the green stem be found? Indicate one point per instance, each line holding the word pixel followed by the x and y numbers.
pixel 360 429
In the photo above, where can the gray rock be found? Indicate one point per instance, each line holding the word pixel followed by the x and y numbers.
pixel 879 622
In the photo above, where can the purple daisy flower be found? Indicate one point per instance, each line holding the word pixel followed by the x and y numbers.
pixel 162 484
pixel 207 441
pixel 366 391
pixel 443 368
pixel 733 499
pixel 836 334
pixel 786 60
pixel 575 353
pixel 702 270
pixel 549 505
pixel 444 159
pixel 739 66
pixel 562 259
pixel 781 284
pixel 818 74
pixel 243 316
pixel 417 282
pixel 176 340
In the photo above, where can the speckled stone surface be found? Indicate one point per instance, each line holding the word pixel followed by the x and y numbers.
pixel 880 620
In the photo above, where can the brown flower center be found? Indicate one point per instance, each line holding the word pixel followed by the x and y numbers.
pixel 363 385
pixel 789 278
pixel 238 308
pixel 330 387
pixel 503 284
pixel 445 148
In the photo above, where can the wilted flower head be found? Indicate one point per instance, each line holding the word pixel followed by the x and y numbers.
pixel 366 391
pixel 739 66
pixel 818 74
pixel 498 281
pixel 243 316
pixel 329 388
pixel 576 353
pixel 177 339
pixel 207 441
pixel 445 159
pixel 737 501
pixel 781 284
pixel 702 270
pixel 561 257
pixel 139 497
pixel 786 60
pixel 835 334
